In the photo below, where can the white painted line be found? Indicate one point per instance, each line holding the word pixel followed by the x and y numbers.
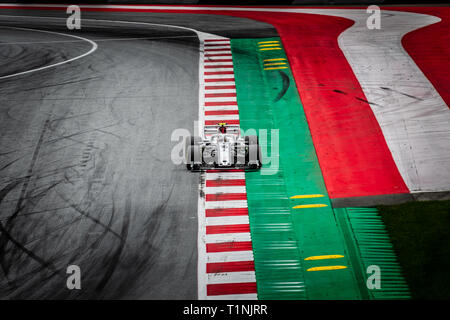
pixel 215 48
pixel 225 189
pixel 219 69
pixel 212 59
pixel 232 277
pixel 219 83
pixel 220 76
pixel 225 175
pixel 228 237
pixel 216 52
pixel 212 89
pixel 220 99
pixel 229 256
pixel 228 220
pixel 231 297
pixel 223 117
pixel 226 204
pixel 211 62
pixel 92 50
pixel 220 108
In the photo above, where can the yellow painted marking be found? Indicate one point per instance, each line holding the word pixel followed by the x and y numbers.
pixel 276 59
pixel 274 64
pixel 326 268
pixel 264 49
pixel 275 68
pixel 304 206
pixel 305 196
pixel 268 42
pixel 269 45
pixel 330 256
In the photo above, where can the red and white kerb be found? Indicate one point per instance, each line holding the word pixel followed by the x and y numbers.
pixel 225 266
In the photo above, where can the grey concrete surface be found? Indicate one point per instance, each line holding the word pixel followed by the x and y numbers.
pixel 85 171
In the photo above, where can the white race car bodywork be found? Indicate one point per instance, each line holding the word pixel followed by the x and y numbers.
pixel 222 150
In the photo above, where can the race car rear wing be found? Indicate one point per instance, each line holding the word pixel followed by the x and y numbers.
pixel 214 129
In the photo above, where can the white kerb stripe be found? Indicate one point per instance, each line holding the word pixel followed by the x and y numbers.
pixel 228 237
pixel 225 189
pixel 225 175
pixel 247 296
pixel 227 220
pixel 232 277
pixel 230 256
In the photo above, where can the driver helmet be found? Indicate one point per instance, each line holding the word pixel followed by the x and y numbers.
pixel 222 128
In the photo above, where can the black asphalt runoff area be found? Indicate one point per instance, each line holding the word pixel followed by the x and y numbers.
pixel 86 176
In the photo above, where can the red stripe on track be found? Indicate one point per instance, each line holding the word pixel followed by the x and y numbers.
pixel 211 73
pixel 226 196
pixel 220 112
pixel 218 66
pixel 220 103
pixel 230 228
pixel 229 246
pixel 214 40
pixel 352 152
pixel 235 266
pixel 230 288
pixel 219 87
pixel 217 54
pixel 225 182
pixel 220 95
pixel 217 44
pixel 430 48
pixel 219 80
pixel 210 213
pixel 218 60
pixel 214 122
pixel 213 50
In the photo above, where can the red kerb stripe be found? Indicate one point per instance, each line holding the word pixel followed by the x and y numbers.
pixel 226 212
pixel 235 266
pixel 229 228
pixel 219 87
pixel 230 288
pixel 215 66
pixel 219 80
pixel 217 44
pixel 220 49
pixel 214 122
pixel 220 103
pixel 225 182
pixel 220 95
pixel 217 54
pixel 226 196
pixel 218 60
pixel 218 72
pixel 229 246
pixel 221 112
pixel 214 40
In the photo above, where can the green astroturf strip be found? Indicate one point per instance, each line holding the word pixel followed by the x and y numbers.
pixel 420 233
pixel 282 236
pixel 372 246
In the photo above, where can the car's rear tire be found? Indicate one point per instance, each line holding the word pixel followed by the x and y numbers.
pixel 253 151
pixel 193 152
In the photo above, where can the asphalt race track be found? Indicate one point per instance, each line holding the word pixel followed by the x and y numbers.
pixel 85 171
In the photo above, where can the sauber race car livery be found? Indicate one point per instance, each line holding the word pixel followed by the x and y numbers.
pixel 222 147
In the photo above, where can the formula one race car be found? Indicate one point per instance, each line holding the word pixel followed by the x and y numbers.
pixel 222 147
